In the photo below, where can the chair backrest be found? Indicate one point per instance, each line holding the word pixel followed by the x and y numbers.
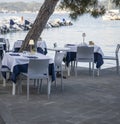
pixel 58 58
pixel 17 45
pixel 42 47
pixel 7 44
pixel 1 47
pixel 2 39
pixel 85 53
pixel 37 67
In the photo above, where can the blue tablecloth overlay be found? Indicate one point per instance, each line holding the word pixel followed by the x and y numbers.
pixel 69 58
pixel 16 49
pixel 23 68
pixel 98 59
pixel 72 55
pixel 14 54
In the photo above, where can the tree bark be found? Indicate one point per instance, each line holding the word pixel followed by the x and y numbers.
pixel 40 22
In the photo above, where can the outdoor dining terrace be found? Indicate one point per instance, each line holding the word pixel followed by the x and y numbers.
pixel 84 101
pixel 80 99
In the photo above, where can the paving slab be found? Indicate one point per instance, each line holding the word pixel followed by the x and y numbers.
pixel 84 101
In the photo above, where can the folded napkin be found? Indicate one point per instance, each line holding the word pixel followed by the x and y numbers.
pixel 32 57
pixel 13 54
pixel 70 44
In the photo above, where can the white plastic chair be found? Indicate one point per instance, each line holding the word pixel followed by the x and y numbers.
pixel 58 65
pixel 5 69
pixel 42 47
pixel 116 58
pixel 1 50
pixel 2 39
pixel 7 45
pixel 17 45
pixel 37 69
pixel 85 54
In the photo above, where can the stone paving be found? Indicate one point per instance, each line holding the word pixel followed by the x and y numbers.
pixel 84 101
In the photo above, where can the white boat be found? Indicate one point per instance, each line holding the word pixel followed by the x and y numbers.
pixel 112 15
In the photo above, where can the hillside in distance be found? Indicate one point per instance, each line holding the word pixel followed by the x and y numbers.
pixel 19 6
pixel 40 1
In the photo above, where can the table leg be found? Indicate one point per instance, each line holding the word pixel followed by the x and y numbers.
pixel 4 82
pixel 49 88
pixel 98 72
pixel 68 70
pixel 13 88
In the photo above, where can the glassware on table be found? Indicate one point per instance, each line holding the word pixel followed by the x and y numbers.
pixel 25 52
pixel 55 45
pixel 83 35
pixel 91 43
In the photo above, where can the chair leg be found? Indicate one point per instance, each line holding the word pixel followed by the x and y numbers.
pixel 19 85
pixel 49 87
pixel 90 68
pixel 76 69
pixel 4 82
pixel 62 80
pixel 117 66
pixel 74 65
pixel 56 80
pixel 39 85
pixel 93 68
pixel 28 88
pixel 35 83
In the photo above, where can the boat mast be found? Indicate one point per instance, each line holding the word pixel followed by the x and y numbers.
pixel 109 5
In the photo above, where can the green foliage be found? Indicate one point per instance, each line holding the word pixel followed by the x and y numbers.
pixel 117 2
pixel 80 7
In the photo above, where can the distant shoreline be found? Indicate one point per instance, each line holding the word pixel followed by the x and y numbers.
pixel 35 12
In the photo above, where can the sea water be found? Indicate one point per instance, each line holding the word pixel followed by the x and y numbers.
pixel 105 34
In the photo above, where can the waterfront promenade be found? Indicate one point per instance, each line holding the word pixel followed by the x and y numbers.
pixel 84 101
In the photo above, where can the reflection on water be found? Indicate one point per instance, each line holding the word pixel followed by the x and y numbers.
pixel 106 34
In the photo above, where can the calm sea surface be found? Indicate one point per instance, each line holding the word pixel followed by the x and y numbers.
pixel 106 34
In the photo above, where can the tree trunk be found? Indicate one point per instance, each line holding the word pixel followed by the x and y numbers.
pixel 40 22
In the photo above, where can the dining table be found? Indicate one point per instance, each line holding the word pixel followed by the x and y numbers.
pixel 58 49
pixel 17 63
pixel 71 54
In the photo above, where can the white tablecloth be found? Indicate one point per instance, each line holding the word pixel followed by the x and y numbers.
pixel 73 48
pixel 11 59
